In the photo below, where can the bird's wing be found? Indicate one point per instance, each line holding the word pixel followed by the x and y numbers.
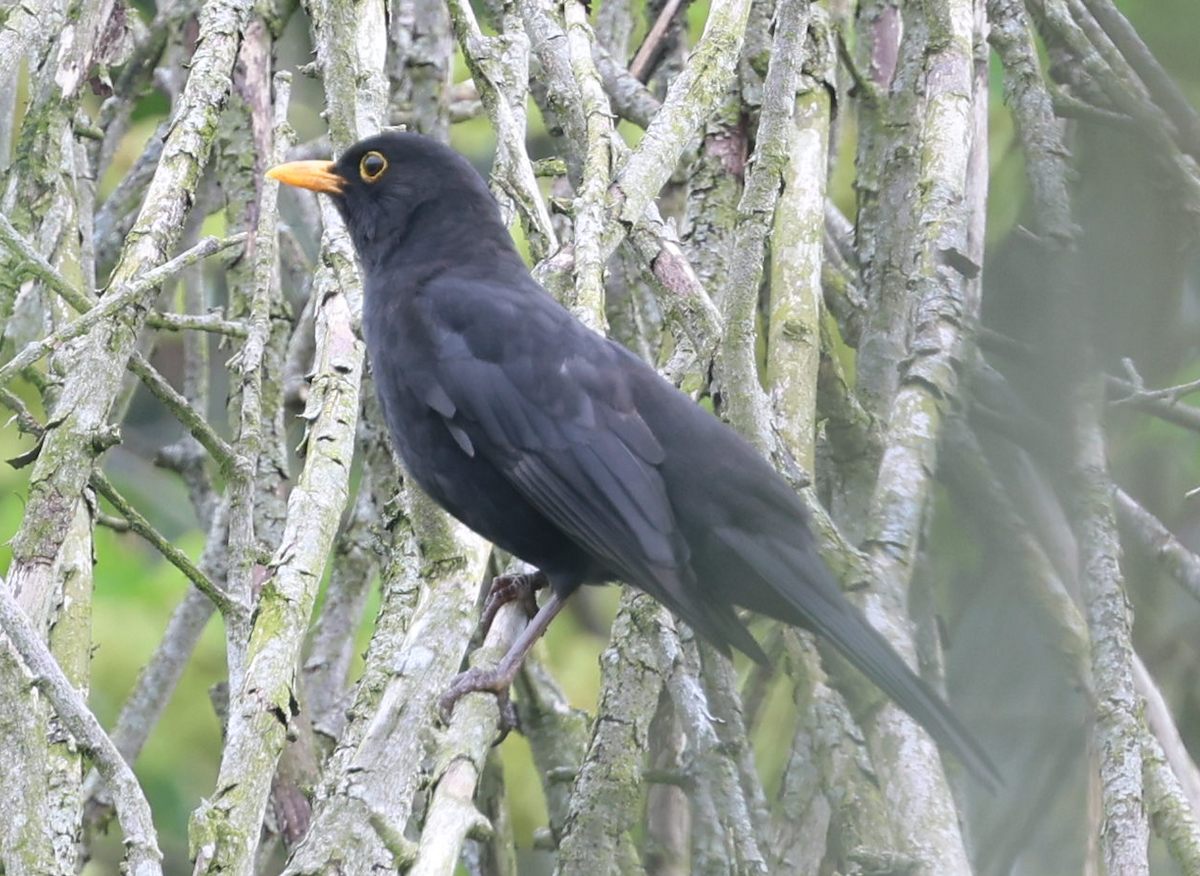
pixel 548 403
pixel 552 406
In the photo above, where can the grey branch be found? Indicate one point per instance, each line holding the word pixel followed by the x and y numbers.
pixel 142 855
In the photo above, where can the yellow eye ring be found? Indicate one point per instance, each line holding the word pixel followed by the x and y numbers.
pixel 372 166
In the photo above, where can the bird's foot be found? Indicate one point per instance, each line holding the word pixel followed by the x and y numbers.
pixel 499 680
pixel 511 588
pixel 476 679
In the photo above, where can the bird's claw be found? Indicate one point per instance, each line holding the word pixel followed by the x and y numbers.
pixel 511 588
pixel 481 680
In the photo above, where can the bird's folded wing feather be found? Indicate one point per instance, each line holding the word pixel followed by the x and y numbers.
pixel 549 406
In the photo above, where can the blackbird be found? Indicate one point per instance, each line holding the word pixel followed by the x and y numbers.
pixel 562 447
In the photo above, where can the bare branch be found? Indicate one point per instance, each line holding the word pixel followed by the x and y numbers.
pixel 1118 731
pixel 141 842
pixel 603 806
pixel 1179 562
pixel 690 99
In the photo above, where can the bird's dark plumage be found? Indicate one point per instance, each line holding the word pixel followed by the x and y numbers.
pixel 561 446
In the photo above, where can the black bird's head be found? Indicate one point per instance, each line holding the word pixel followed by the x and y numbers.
pixel 400 190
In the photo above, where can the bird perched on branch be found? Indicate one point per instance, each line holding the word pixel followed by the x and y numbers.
pixel 562 447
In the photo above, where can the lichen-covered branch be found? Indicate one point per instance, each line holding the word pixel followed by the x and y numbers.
pixel 1119 728
pixel 452 816
pixel 143 857
pixel 908 362
pixel 67 455
pixel 225 831
pixel 603 806
pixel 499 66
pixel 1039 128
pixel 741 389
pixel 691 98
pixel 596 172
pixel 381 759
pixel 1180 563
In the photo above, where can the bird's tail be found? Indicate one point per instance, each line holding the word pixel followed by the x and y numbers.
pixel 867 649
pixel 795 586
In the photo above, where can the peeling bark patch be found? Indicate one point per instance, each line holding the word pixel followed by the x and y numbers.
pixel 886 47
pixel 917 379
pixel 671 274
pixel 959 261
pixel 276 711
pixel 731 147
pixel 29 456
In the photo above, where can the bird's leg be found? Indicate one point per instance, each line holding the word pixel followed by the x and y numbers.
pixel 511 588
pixel 499 679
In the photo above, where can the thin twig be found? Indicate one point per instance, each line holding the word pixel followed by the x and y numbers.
pixel 1158 82
pixel 631 99
pixel 639 67
pixel 1170 394
pixel 177 558
pixel 215 323
pixel 94 310
pixel 1125 392
pixel 192 420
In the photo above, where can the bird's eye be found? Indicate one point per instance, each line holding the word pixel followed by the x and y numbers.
pixel 372 166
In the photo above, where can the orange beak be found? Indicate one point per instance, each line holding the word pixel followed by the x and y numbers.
pixel 316 175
